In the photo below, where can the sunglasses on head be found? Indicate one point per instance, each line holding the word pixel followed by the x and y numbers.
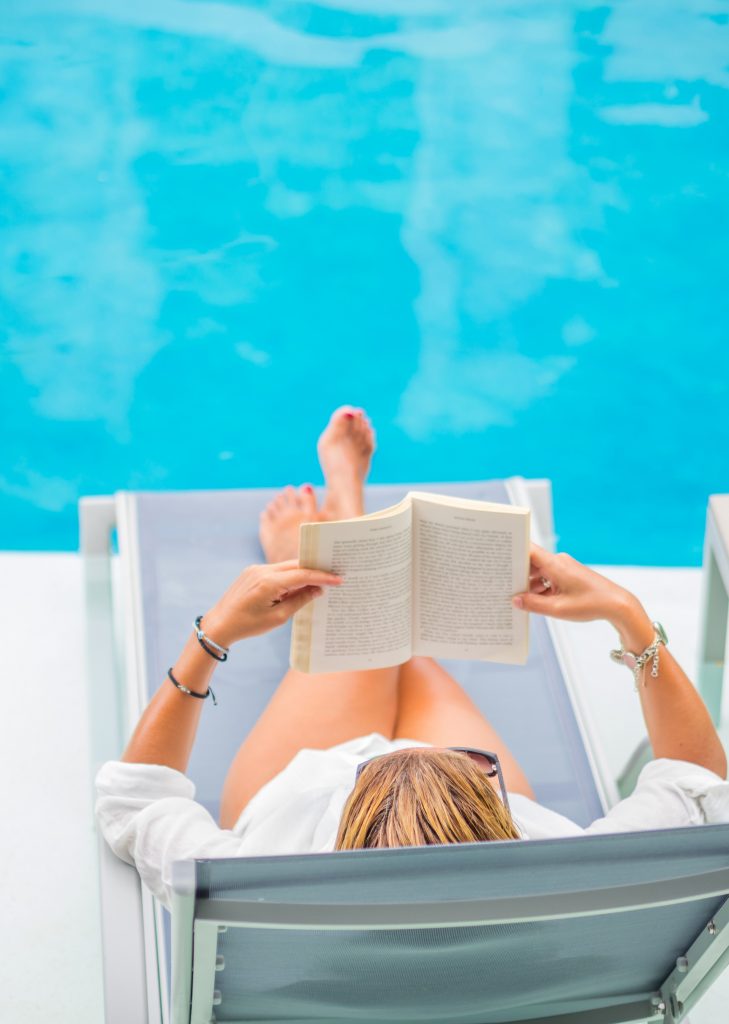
pixel 487 761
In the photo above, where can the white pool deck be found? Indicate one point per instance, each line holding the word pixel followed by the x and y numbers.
pixel 50 953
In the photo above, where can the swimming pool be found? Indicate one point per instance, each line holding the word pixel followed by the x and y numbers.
pixel 501 228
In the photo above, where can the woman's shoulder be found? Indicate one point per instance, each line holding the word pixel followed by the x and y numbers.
pixel 684 771
pixel 134 779
pixel 669 793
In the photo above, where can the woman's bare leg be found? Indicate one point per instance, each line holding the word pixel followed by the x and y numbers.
pixel 434 708
pixel 316 711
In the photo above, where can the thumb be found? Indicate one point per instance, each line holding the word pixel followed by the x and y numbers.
pixel 543 604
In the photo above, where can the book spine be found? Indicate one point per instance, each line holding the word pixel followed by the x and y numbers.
pixel 304 619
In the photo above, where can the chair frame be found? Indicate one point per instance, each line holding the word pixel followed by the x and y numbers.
pixel 715 605
pixel 135 966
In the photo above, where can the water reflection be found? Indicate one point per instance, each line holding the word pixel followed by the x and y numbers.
pixel 472 219
pixel 495 210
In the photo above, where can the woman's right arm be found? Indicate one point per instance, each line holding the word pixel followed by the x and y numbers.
pixel 678 722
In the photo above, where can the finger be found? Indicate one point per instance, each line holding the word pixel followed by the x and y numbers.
pixel 292 578
pixel 292 602
pixel 542 604
pixel 539 558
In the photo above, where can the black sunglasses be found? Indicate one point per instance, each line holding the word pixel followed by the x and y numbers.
pixel 487 761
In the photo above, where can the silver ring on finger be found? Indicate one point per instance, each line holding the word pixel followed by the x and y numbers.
pixel 547 584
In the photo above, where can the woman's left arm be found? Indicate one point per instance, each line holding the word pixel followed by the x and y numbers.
pixel 678 723
pixel 263 597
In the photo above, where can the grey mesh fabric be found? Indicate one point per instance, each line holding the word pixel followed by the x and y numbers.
pixel 478 974
pixel 192 545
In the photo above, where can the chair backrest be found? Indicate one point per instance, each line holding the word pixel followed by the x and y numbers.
pixel 492 932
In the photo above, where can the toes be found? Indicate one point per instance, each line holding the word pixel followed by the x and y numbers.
pixel 365 433
pixel 354 419
pixel 279 504
pixel 290 499
pixel 307 500
pixel 343 418
pixel 349 423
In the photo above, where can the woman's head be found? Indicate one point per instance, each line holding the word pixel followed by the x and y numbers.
pixel 422 797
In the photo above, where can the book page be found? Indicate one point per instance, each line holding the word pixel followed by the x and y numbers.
pixel 469 559
pixel 367 621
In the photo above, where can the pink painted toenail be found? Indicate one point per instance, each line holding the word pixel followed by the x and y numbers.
pixel 349 415
pixel 309 489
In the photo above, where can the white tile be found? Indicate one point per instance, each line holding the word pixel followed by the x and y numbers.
pixel 49 883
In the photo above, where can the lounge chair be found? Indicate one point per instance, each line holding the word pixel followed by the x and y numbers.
pixel 601 929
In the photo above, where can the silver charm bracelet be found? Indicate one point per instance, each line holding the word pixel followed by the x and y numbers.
pixel 216 651
pixel 635 662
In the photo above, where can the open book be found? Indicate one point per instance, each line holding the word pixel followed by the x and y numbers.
pixel 433 575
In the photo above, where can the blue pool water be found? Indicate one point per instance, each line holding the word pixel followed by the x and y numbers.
pixel 501 226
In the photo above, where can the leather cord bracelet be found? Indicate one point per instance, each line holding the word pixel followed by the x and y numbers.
pixel 191 693
pixel 216 651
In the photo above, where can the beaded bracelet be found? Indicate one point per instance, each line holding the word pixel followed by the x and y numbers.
pixel 208 645
pixel 191 693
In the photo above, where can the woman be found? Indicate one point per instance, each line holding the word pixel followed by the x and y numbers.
pixel 362 758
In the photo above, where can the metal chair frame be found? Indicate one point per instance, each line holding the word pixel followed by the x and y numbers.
pixel 132 927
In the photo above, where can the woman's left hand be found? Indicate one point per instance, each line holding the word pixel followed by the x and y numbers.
pixel 262 598
pixel 562 587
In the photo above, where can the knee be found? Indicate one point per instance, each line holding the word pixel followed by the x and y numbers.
pixel 418 663
pixel 410 668
pixel 419 673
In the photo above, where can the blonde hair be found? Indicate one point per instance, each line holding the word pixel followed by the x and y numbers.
pixel 422 797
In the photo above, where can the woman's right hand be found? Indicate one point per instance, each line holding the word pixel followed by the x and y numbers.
pixel 575 592
pixel 262 598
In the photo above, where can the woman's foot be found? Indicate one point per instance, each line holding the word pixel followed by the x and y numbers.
pixel 345 452
pixel 281 519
